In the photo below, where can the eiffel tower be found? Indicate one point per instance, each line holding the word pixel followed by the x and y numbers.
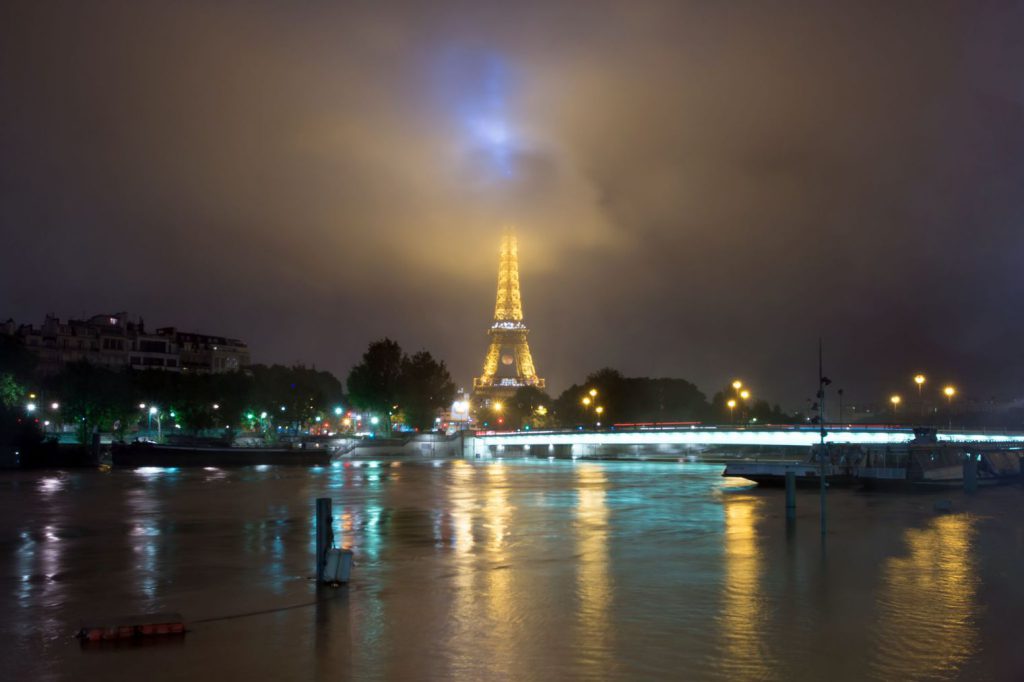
pixel 508 365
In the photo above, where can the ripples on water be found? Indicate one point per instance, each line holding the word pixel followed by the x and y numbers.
pixel 514 569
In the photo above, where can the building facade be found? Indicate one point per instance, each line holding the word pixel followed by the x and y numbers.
pixel 121 341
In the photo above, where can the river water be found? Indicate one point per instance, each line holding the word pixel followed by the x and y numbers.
pixel 507 569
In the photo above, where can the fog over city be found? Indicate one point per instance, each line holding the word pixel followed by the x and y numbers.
pixel 701 190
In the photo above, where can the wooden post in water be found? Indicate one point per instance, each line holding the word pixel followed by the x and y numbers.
pixel 790 496
pixel 324 534
pixel 970 473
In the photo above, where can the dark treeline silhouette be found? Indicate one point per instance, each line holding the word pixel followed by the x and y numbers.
pixel 608 397
pixel 390 383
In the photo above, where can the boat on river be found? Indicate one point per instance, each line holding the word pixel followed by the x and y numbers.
pixel 923 462
pixel 142 454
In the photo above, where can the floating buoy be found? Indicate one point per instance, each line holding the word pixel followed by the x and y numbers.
pixel 132 627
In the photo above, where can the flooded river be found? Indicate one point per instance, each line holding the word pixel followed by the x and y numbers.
pixel 514 569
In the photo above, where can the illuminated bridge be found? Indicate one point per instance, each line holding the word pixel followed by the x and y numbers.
pixel 583 443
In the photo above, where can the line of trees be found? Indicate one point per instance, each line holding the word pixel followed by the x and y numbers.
pixel 410 389
pixel 388 385
pixel 608 397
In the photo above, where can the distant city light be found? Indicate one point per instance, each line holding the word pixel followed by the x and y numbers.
pixel 31 407
pixel 338 411
pixel 375 420
pixel 153 410
pixel 216 406
pixel 54 406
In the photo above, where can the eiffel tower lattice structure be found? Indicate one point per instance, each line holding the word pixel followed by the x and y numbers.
pixel 509 364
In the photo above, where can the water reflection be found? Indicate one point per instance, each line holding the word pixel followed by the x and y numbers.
pixel 593 585
pixel 144 513
pixel 503 610
pixel 927 625
pixel 744 616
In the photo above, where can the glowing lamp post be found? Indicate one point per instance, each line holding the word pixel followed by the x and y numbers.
pixel 732 410
pixel 154 412
pixel 919 379
pixel 895 400
pixel 599 411
pixel 949 392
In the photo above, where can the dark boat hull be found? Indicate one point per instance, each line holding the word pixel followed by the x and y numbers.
pixel 145 455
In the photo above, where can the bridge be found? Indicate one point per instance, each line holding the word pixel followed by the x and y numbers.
pixel 483 444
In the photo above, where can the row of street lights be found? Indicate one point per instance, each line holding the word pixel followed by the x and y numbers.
pixel 742 396
pixel 948 390
pixel 590 398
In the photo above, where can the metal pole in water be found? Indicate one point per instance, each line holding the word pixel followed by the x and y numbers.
pixel 970 473
pixel 823 453
pixel 790 496
pixel 323 534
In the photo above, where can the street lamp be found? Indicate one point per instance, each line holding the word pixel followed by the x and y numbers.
pixel 586 400
pixel 154 412
pixel 745 394
pixel 599 410
pixel 895 400
pixel 732 408
pixel 593 392
pixel 737 385
pixel 919 379
pixel 949 392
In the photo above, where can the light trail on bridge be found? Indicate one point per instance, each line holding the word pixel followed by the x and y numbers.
pixel 715 436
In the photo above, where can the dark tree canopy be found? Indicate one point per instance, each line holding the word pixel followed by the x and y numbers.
pixel 529 407
pixel 373 384
pixel 387 380
pixel 424 387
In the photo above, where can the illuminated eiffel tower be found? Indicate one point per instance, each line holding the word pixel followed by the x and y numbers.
pixel 508 365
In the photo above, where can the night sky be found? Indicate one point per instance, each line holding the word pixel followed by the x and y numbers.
pixel 701 189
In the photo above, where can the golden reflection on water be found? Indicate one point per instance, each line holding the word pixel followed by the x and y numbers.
pixel 593 579
pixel 927 622
pixel 743 617
pixel 502 610
pixel 484 609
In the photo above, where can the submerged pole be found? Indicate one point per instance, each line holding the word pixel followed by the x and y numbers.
pixel 324 534
pixel 790 496
pixel 822 453
pixel 970 473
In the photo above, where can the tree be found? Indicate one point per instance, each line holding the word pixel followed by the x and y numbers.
pixel 95 399
pixel 424 387
pixel 374 383
pixel 631 400
pixel 529 407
